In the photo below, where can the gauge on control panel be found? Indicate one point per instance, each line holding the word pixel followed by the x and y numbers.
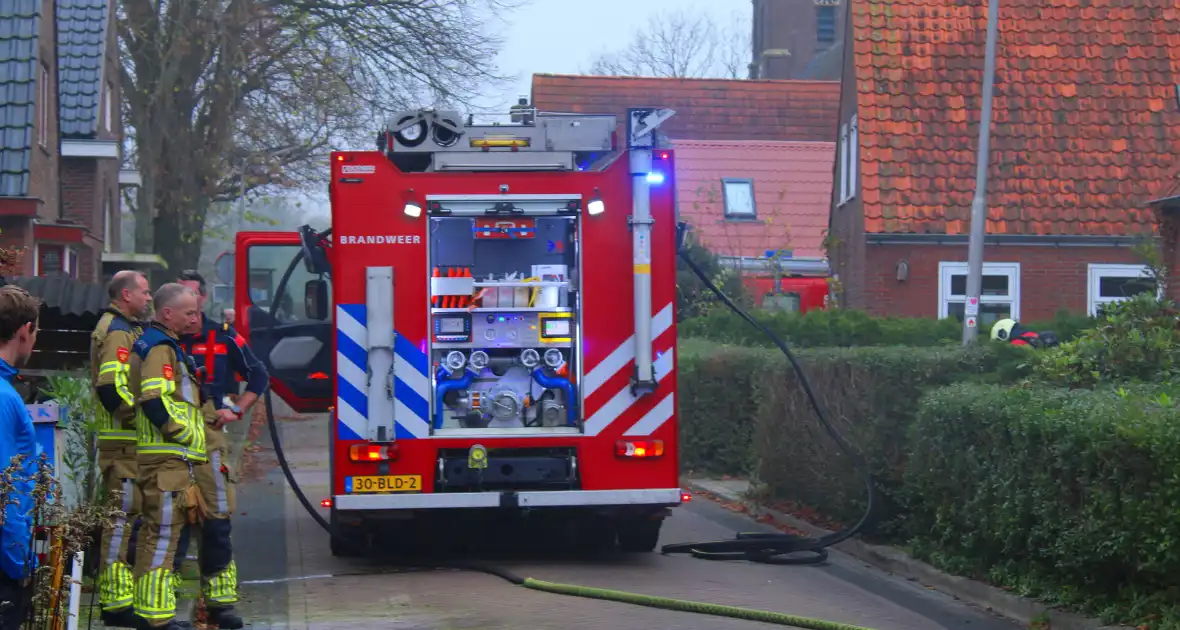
pixel 452 328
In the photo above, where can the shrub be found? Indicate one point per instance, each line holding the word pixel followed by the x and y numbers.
pixel 742 412
pixel 1067 495
pixel 843 328
pixel 1136 340
pixel 693 299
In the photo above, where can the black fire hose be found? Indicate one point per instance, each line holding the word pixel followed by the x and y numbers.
pixel 777 548
pixel 754 547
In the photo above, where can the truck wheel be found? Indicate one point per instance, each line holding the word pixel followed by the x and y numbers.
pixel 639 535
pixel 351 543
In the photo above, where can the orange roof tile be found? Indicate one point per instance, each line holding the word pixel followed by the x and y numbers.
pixel 706 109
pixel 792 194
pixel 1085 120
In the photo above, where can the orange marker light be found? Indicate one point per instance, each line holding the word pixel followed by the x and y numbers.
pixel 372 452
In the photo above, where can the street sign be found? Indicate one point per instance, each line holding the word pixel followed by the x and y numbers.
pixel 971 322
pixel 972 306
pixel 223 267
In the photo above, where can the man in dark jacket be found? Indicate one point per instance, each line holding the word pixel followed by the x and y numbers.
pixel 19 454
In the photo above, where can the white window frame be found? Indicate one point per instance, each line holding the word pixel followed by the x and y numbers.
pixel 65 258
pixel 849 159
pixel 843 170
pixel 726 182
pixel 43 109
pixel 948 269
pixel 108 103
pixel 106 223
pixel 1095 272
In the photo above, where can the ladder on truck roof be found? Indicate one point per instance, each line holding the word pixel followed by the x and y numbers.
pixel 439 140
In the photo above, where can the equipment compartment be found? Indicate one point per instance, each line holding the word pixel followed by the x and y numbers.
pixel 504 324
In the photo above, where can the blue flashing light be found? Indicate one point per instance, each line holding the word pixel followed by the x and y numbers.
pixel 655 177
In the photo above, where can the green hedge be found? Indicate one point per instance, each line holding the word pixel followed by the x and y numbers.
pixel 842 328
pixel 1068 495
pixel 742 412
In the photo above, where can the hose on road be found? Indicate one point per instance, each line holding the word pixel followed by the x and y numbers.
pixel 767 548
pixel 776 548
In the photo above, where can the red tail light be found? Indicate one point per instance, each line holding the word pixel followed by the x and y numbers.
pixel 326 503
pixel 372 452
pixel 639 448
pixel 685 497
pixel 318 376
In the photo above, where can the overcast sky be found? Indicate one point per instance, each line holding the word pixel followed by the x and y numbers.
pixel 548 36
pixel 545 36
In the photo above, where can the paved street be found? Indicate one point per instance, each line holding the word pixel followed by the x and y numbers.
pixel 283 559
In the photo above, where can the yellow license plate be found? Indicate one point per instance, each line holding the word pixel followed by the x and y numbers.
pixel 383 483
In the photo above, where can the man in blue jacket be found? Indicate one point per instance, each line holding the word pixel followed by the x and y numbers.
pixel 18 334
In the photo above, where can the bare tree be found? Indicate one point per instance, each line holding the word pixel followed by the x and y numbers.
pixel 224 97
pixel 685 43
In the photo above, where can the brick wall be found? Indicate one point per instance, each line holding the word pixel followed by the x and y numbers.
pixel 43 159
pixel 1051 278
pixel 80 193
pixel 1168 221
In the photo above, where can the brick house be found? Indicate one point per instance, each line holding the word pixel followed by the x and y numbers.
pixel 59 161
pixel 1084 131
pixel 28 127
pixel 797 39
pixel 753 158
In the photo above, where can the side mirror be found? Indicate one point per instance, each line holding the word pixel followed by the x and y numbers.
pixel 315 299
pixel 314 245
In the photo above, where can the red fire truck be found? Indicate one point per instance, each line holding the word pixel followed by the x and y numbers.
pixel 491 323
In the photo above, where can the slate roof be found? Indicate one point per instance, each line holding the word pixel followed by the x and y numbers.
pixel 792 194
pixel 20 24
pixel 1085 120
pixel 706 109
pixel 81 50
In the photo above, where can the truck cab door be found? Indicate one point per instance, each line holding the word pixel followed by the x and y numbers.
pixel 288 325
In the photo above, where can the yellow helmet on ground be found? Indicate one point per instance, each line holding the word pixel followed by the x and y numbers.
pixel 1002 330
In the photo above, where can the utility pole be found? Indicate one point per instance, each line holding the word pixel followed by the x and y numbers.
pixel 979 202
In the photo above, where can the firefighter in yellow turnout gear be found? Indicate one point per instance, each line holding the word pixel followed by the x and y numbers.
pixel 171 443
pixel 221 354
pixel 110 359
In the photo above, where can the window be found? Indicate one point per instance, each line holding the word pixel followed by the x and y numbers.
pixel 267 266
pixel 999 297
pixel 43 106
pixel 825 26
pixel 739 198
pixel 50 260
pixel 107 234
pixel 849 160
pixel 108 96
pixel 1115 283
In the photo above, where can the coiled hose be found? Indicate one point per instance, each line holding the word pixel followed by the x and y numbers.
pixel 754 547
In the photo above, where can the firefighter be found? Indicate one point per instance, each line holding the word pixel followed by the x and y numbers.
pixel 1011 331
pixel 170 440
pixel 221 354
pixel 110 354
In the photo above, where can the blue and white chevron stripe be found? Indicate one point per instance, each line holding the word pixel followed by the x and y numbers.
pixel 411 388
